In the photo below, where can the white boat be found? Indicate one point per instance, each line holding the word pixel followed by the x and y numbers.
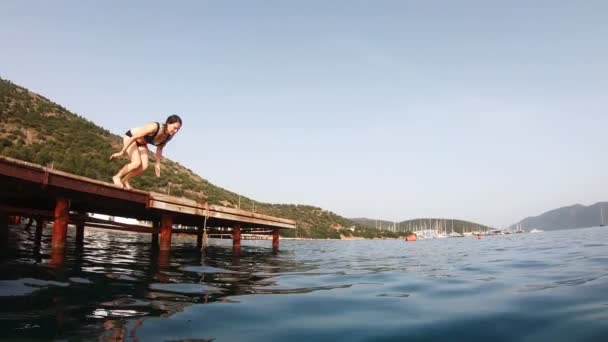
pixel 455 234
pixel 536 231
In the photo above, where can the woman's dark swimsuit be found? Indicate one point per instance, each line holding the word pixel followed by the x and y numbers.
pixel 149 138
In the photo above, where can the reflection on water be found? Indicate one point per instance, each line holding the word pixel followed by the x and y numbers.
pixel 549 286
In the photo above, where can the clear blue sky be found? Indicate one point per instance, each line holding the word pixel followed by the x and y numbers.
pixel 488 111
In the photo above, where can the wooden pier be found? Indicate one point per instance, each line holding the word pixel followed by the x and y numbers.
pixel 47 195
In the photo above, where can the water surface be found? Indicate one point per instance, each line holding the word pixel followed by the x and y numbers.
pixel 549 286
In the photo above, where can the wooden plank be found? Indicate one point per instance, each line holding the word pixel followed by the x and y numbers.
pixel 250 214
pixel 105 190
pixel 46 177
pixel 176 208
pixel 49 177
pixel 190 204
pixel 175 200
pixel 198 205
pixel 41 169
pixel 235 218
pixel 214 214
pixel 18 172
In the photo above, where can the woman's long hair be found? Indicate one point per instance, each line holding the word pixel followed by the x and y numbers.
pixel 173 119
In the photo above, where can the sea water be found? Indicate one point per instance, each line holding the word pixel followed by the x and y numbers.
pixel 551 286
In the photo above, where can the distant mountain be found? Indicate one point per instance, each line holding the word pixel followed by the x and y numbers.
pixel 575 216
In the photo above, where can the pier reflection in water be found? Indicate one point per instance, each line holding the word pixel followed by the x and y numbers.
pixel 116 276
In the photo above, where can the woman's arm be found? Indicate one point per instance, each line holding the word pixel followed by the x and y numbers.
pixel 159 154
pixel 136 133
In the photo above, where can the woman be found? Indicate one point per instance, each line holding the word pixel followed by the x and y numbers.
pixel 135 144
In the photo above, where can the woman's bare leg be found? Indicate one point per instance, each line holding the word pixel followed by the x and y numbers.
pixel 135 163
pixel 143 154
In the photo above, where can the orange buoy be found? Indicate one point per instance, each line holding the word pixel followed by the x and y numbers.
pixel 411 237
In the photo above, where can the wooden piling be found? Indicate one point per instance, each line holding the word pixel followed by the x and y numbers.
pixel 236 237
pixel 60 225
pixel 30 221
pixel 164 259
pixel 275 239
pixel 166 224
pixel 4 226
pixel 39 226
pixel 57 258
pixel 155 228
pixel 80 232
pixel 199 237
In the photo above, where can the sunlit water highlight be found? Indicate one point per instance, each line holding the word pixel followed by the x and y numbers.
pixel 550 286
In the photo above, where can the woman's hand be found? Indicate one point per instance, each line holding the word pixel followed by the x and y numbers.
pixel 157 169
pixel 117 154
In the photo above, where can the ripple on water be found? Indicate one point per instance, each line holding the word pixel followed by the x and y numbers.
pixel 208 269
pixel 184 288
pixel 26 286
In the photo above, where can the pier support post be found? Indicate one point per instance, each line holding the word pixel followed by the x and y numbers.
pixel 39 226
pixel 236 237
pixel 57 258
pixel 199 237
pixel 205 238
pixel 164 259
pixel 80 232
pixel 60 225
pixel 166 224
pixel 275 239
pixel 3 226
pixel 30 221
pixel 155 225
pixel 38 238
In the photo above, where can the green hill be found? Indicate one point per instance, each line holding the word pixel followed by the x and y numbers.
pixel 34 129
pixel 459 226
pixel 447 225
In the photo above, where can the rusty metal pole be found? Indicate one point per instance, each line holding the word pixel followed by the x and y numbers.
pixel 60 225
pixel 166 224
pixel 275 239
pixel 236 237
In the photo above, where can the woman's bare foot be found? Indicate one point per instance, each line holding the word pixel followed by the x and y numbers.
pixel 128 185
pixel 117 181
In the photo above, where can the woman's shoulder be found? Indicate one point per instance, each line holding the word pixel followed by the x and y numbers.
pixel 151 126
pixel 146 129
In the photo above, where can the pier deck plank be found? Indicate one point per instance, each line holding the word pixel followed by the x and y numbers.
pixel 33 186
